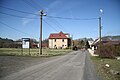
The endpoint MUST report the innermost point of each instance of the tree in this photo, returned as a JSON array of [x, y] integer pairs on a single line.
[[87, 45]]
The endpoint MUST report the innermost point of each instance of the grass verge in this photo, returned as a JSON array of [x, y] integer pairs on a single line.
[[33, 52], [107, 73]]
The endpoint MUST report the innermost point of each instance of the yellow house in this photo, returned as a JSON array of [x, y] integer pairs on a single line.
[[59, 40]]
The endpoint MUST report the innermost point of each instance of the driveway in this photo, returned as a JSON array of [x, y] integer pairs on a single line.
[[73, 66]]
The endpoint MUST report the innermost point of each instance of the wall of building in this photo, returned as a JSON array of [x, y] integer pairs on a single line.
[[59, 43]]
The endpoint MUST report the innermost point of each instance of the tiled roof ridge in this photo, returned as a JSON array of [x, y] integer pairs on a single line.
[[58, 35]]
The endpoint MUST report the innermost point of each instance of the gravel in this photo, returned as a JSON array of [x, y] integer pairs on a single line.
[[12, 64]]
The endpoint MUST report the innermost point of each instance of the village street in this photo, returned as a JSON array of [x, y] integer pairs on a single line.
[[73, 66]]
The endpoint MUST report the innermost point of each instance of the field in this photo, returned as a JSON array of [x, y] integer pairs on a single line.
[[107, 73], [32, 52]]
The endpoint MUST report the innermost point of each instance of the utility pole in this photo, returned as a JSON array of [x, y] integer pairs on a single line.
[[100, 27], [40, 41], [100, 34]]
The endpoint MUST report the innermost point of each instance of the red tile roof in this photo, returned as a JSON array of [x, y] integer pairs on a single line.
[[60, 35]]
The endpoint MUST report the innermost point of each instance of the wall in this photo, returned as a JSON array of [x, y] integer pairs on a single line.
[[58, 43]]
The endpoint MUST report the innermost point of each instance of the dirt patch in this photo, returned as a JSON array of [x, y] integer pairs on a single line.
[[12, 64]]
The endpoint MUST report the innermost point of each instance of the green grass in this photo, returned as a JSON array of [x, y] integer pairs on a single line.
[[103, 71], [33, 52]]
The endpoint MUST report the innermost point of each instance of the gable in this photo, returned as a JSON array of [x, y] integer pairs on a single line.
[[60, 35]]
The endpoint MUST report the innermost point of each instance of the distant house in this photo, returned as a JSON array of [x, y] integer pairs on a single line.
[[90, 43], [59, 40], [96, 43]]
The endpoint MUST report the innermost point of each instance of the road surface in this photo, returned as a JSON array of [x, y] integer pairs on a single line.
[[74, 66]]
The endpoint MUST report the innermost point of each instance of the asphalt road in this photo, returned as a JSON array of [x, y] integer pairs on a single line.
[[74, 66]]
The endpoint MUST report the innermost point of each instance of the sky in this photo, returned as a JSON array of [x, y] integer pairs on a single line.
[[16, 25]]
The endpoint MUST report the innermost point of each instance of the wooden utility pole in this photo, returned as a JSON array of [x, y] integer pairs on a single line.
[[40, 41], [100, 27], [100, 34]]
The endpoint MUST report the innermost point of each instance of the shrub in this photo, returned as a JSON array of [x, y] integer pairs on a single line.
[[117, 50], [75, 48], [67, 48], [106, 51]]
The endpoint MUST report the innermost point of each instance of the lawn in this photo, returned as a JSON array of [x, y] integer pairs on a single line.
[[33, 52], [107, 73]]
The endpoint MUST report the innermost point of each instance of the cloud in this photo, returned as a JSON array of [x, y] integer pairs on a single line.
[[27, 20], [56, 7], [53, 6]]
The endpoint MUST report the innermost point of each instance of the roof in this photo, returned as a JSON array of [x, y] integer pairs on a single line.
[[59, 35], [106, 42]]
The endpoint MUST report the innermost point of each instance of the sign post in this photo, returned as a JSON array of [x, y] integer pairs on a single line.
[[25, 44]]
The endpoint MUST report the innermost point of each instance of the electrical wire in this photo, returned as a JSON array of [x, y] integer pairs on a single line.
[[72, 18], [18, 10], [37, 4], [17, 16], [56, 24], [15, 29], [46, 16], [50, 25], [59, 25], [28, 3]]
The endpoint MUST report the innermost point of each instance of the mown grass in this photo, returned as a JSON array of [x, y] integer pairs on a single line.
[[105, 72], [33, 52]]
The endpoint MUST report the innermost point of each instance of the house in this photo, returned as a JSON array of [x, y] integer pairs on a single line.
[[95, 45], [59, 40], [90, 43]]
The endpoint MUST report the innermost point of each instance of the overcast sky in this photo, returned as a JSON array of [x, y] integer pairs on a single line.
[[15, 25]]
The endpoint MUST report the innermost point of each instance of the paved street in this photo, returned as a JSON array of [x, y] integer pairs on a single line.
[[74, 66]]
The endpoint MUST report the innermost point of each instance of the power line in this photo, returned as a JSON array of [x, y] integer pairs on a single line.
[[37, 3], [17, 16], [50, 25], [58, 25], [28, 3], [47, 16], [72, 18], [14, 29], [18, 10]]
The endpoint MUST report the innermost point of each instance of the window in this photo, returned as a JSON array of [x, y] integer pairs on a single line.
[[62, 46], [62, 40], [55, 46], [55, 40]]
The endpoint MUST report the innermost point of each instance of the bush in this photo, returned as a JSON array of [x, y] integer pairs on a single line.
[[117, 50], [107, 51], [75, 48]]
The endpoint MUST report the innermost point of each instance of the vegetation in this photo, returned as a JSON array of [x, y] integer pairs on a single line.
[[107, 73], [108, 51], [9, 43], [117, 50], [33, 52], [87, 45], [82, 43]]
